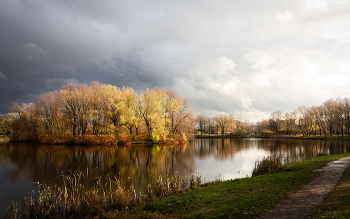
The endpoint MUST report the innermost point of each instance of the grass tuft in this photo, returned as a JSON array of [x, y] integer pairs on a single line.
[[267, 165]]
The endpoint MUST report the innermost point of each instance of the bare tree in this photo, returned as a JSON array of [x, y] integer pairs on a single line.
[[275, 121], [201, 122]]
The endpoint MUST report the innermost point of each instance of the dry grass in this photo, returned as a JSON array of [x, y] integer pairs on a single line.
[[82, 195]]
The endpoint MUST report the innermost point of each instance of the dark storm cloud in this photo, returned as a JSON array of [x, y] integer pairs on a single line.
[[47, 44], [44, 45]]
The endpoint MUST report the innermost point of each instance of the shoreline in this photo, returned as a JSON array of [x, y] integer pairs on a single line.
[[249, 197], [317, 137], [79, 142]]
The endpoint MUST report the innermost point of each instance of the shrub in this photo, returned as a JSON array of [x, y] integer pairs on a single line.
[[266, 132], [124, 139], [267, 165], [155, 138]]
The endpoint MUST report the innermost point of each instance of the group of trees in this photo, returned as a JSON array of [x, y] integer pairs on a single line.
[[77, 110], [332, 117], [5, 123], [222, 124]]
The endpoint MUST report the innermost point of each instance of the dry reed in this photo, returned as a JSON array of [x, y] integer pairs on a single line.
[[83, 195], [267, 165]]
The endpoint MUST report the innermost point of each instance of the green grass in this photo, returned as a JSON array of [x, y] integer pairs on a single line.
[[240, 198], [336, 204]]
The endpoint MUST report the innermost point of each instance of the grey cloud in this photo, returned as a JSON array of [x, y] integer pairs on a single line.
[[3, 76], [56, 82]]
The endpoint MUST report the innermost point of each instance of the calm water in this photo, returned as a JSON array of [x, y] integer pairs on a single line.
[[23, 164]]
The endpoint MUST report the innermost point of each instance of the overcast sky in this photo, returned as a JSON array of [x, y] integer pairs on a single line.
[[253, 57]]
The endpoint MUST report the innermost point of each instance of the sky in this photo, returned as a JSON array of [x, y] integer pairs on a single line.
[[245, 58]]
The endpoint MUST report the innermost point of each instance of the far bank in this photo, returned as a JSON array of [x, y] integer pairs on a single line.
[[328, 137]]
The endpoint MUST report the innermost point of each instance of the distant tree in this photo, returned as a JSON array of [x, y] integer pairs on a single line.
[[26, 126], [201, 122], [306, 121], [290, 121], [340, 116], [330, 109], [346, 108], [211, 125], [222, 121], [275, 121], [320, 119]]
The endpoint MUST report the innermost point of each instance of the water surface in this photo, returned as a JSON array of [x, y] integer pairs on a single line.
[[22, 164]]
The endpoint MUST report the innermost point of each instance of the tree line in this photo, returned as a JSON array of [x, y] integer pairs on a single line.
[[221, 124], [331, 117], [77, 110]]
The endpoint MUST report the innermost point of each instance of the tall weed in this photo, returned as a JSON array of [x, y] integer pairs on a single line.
[[267, 165], [83, 195]]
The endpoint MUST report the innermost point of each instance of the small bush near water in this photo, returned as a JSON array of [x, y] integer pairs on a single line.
[[83, 196], [267, 165]]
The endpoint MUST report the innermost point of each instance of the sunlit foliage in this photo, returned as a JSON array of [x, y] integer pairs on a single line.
[[5, 123], [77, 110]]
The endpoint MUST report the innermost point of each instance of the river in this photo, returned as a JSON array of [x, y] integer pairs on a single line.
[[22, 164]]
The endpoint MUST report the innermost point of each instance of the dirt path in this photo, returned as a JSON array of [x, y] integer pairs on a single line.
[[303, 203]]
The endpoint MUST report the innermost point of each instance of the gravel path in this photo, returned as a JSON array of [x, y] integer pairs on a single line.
[[303, 203]]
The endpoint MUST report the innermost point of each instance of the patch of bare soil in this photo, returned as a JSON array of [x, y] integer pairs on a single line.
[[303, 203]]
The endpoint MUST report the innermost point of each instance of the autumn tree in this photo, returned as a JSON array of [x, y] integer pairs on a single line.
[[153, 113], [5, 123], [26, 125], [223, 122], [178, 112]]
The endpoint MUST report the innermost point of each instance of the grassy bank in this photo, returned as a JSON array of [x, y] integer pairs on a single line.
[[240, 198]]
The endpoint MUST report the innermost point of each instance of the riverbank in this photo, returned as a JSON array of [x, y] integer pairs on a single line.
[[101, 140], [328, 137], [240, 198]]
